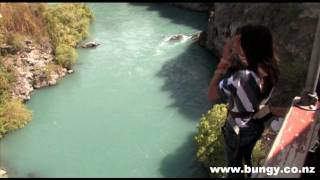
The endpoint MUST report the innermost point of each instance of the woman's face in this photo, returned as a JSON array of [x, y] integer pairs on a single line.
[[238, 49]]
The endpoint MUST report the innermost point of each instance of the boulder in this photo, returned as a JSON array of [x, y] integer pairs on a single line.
[[3, 173], [70, 71], [52, 82], [175, 38], [90, 45]]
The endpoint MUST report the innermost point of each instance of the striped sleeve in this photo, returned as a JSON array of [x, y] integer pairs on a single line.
[[243, 87], [224, 87]]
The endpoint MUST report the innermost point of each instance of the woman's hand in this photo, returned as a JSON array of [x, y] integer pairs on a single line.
[[227, 56], [227, 51], [237, 45], [226, 59], [222, 67]]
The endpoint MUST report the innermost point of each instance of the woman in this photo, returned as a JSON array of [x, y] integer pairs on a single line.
[[247, 90]]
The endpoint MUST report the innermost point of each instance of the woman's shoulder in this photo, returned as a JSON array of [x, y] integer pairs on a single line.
[[245, 75]]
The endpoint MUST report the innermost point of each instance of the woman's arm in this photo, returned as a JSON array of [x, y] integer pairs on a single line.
[[213, 87], [221, 69]]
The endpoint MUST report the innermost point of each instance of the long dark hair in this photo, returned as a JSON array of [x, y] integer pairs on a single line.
[[257, 44]]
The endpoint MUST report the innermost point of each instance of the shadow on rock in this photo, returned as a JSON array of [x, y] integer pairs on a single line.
[[182, 163], [178, 15], [187, 78]]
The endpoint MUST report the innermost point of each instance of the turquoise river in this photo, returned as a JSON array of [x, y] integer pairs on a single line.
[[131, 107]]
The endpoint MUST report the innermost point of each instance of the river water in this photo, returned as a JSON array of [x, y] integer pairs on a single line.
[[131, 107]]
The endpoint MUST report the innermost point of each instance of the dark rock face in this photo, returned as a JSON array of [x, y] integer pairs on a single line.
[[195, 6], [7, 49], [293, 26]]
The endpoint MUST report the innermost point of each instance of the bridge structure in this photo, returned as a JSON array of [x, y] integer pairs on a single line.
[[300, 131]]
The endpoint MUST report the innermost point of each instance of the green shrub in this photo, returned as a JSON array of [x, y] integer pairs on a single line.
[[4, 97], [4, 82], [209, 139], [210, 143], [50, 68], [66, 56], [6, 70], [17, 41], [13, 115], [259, 153], [67, 25], [2, 38]]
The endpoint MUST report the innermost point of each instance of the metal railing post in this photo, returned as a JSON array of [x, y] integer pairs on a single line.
[[309, 96]]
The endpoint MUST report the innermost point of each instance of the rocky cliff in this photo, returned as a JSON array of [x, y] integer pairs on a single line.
[[34, 67], [293, 27]]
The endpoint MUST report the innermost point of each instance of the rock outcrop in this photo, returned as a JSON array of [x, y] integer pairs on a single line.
[[181, 37], [33, 68]]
